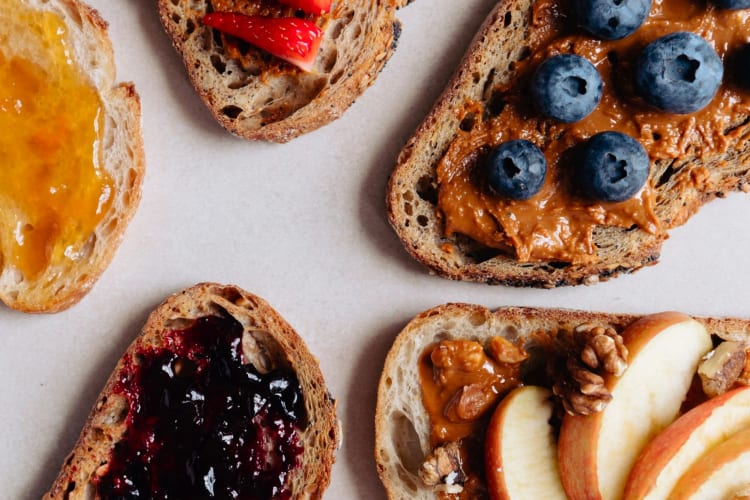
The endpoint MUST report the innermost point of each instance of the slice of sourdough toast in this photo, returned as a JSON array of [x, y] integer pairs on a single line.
[[262, 99], [402, 424], [68, 252], [267, 345], [680, 181]]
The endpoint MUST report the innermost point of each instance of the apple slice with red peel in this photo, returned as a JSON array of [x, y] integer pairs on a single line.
[[674, 450], [596, 452], [520, 451], [722, 472]]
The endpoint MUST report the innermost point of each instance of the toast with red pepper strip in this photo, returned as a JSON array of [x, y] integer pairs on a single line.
[[495, 65], [192, 409], [258, 96]]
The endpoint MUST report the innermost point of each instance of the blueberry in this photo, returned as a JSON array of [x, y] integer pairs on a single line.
[[516, 169], [612, 19], [566, 87], [679, 72], [614, 166], [733, 4]]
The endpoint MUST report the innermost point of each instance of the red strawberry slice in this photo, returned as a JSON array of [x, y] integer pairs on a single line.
[[294, 40], [316, 7]]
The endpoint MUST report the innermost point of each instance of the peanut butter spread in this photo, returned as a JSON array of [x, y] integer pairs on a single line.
[[557, 223], [461, 384]]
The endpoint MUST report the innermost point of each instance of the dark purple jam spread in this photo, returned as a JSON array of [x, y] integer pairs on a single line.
[[203, 425]]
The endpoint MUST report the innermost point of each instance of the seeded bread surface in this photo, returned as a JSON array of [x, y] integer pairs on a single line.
[[265, 105], [62, 284], [268, 343], [402, 428], [412, 189]]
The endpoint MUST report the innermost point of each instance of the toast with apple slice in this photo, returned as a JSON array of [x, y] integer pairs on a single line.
[[450, 411], [449, 216], [255, 95], [218, 397], [73, 160]]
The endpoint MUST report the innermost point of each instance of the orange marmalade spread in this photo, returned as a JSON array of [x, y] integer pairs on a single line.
[[557, 224], [53, 189]]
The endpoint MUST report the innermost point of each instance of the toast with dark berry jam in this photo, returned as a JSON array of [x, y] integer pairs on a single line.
[[568, 143], [275, 69], [218, 397]]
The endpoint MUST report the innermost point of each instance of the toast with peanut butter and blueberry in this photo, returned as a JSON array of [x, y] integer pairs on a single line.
[[218, 397], [275, 69], [523, 403], [572, 137], [72, 153]]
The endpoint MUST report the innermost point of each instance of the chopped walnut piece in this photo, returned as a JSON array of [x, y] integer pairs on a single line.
[[469, 403], [721, 368], [443, 467], [591, 351], [504, 351]]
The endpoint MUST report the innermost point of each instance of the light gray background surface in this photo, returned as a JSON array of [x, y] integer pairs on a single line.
[[302, 225]]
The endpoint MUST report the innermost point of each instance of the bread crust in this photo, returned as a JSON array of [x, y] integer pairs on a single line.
[[411, 198], [358, 40], [401, 423], [63, 284], [277, 344]]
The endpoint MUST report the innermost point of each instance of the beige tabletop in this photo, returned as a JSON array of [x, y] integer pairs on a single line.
[[302, 225]]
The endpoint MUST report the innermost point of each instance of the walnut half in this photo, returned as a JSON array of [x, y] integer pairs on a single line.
[[721, 368], [443, 467], [591, 352]]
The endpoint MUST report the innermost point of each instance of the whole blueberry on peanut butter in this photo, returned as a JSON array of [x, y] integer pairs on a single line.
[[733, 4], [612, 19], [566, 87], [516, 169], [614, 167], [679, 72]]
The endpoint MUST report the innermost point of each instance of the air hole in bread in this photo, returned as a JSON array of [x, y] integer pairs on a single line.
[[483, 254], [335, 31], [189, 26], [495, 103], [426, 189], [423, 221], [406, 442], [476, 77], [559, 265], [507, 20], [336, 77], [668, 173], [176, 18], [356, 31], [218, 63], [408, 209], [467, 124], [477, 319], [330, 61], [231, 111], [178, 324]]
